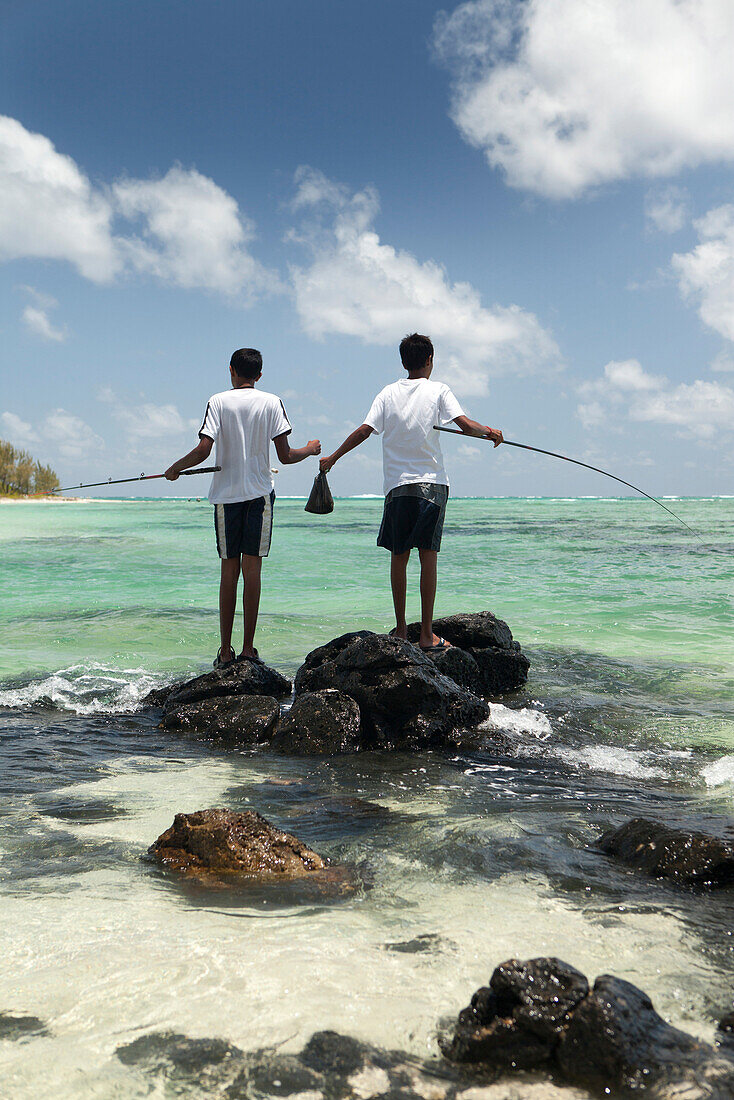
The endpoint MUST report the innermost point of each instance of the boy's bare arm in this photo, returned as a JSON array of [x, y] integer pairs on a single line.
[[288, 455], [201, 451], [364, 431], [472, 427]]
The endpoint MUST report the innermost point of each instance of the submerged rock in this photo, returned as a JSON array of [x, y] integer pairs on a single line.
[[224, 842], [21, 1027], [320, 723], [687, 857], [499, 665], [404, 701], [237, 719], [240, 678], [609, 1039], [206, 1064]]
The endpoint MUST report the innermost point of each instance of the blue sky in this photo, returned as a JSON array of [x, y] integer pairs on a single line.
[[544, 187]]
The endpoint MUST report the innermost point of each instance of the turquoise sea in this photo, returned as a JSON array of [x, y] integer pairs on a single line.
[[629, 710]]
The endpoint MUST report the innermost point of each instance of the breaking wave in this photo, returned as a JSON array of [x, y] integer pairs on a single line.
[[84, 689]]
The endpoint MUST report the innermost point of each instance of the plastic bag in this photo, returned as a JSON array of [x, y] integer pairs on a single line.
[[320, 502]]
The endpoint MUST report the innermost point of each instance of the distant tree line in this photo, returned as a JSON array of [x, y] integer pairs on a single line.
[[22, 474]]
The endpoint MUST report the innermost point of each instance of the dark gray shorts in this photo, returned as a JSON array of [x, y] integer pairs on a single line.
[[413, 517], [244, 527]]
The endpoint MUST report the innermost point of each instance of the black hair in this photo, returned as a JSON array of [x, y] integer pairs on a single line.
[[415, 351], [247, 363]]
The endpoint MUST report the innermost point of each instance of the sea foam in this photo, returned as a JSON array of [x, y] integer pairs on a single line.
[[84, 689]]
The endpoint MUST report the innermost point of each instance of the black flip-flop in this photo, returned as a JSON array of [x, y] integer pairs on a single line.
[[219, 663], [442, 646], [247, 657]]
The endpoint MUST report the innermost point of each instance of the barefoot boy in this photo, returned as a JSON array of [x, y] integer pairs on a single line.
[[416, 486], [242, 422]]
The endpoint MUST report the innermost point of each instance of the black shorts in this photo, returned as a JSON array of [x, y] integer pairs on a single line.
[[413, 517], [244, 527]]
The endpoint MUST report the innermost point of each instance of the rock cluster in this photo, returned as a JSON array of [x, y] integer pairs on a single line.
[[542, 1014], [359, 691], [687, 857]]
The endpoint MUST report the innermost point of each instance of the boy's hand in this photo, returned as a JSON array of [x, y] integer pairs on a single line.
[[326, 463], [494, 434], [172, 473], [314, 446]]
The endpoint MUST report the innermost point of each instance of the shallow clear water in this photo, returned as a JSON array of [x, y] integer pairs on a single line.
[[629, 710]]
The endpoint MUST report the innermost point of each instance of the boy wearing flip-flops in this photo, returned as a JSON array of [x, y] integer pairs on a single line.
[[242, 422], [416, 485]]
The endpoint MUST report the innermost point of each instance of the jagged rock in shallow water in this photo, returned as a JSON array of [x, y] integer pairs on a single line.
[[501, 666], [219, 841], [20, 1027], [609, 1039], [320, 723], [240, 678], [237, 719], [327, 652], [687, 857], [404, 701], [206, 1064]]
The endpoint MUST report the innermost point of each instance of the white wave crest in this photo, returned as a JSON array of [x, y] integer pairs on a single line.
[[720, 772], [613, 759], [84, 689], [519, 722]]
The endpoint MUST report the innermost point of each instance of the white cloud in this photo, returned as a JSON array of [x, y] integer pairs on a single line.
[[723, 363], [194, 234], [706, 274], [626, 392], [564, 95], [146, 421], [191, 233], [39, 323], [49, 209], [19, 432], [666, 208], [357, 286]]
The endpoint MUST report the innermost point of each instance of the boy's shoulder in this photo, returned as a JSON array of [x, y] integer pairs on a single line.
[[233, 395]]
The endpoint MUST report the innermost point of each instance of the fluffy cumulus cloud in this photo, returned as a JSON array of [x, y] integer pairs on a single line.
[[357, 286], [666, 208], [706, 274], [61, 434], [147, 421], [564, 95], [626, 392], [182, 228]]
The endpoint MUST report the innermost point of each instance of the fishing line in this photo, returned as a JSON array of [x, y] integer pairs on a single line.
[[596, 469], [142, 477]]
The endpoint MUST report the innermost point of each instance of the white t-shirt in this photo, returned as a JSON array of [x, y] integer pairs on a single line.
[[404, 413], [242, 423]]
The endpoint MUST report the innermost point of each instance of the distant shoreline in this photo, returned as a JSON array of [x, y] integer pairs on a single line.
[[364, 497]]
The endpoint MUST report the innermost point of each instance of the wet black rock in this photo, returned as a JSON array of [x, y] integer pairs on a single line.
[[21, 1027], [404, 701], [240, 678], [687, 857], [237, 719], [501, 666], [609, 1040], [518, 1019], [327, 652], [207, 1064], [320, 723]]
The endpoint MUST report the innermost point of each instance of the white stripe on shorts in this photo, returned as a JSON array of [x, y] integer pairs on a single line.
[[267, 527], [221, 530]]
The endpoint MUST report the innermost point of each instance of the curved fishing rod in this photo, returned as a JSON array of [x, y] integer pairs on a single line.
[[126, 480], [596, 469]]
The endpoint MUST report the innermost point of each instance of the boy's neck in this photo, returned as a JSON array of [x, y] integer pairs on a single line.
[[245, 384], [424, 372]]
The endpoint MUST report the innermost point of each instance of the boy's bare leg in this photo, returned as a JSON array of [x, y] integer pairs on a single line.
[[251, 570], [429, 572], [399, 585], [227, 603]]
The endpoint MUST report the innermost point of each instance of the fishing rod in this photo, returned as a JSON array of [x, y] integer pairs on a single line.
[[596, 469], [143, 477]]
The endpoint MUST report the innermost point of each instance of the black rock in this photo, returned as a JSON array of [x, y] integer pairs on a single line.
[[201, 1063], [329, 1052], [240, 678], [404, 701], [459, 666], [616, 1039], [324, 653], [320, 723], [20, 1027], [499, 665], [236, 719], [686, 857]]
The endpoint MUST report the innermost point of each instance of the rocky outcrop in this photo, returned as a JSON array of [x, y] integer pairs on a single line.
[[501, 666], [404, 701], [221, 842], [240, 720], [240, 678], [687, 857], [13, 1026], [541, 1013], [320, 723]]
